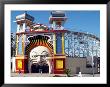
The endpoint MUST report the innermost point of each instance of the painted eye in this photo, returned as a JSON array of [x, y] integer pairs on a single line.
[[42, 56], [36, 55]]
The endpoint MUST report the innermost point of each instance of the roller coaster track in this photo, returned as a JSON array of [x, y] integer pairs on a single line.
[[81, 44]]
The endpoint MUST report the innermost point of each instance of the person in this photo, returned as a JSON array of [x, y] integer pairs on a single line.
[[19, 71], [79, 75]]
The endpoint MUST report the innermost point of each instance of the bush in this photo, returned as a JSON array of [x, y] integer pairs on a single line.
[[67, 72]]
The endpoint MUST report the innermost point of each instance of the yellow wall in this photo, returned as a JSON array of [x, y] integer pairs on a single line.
[[59, 64], [19, 64]]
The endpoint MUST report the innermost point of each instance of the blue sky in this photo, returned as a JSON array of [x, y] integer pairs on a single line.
[[83, 21]]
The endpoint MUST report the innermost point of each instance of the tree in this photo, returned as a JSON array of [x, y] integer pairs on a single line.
[[13, 47]]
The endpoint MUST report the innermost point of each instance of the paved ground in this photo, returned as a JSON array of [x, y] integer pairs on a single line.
[[50, 75]]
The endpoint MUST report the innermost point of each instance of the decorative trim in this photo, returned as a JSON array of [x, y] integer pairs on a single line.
[[54, 37], [63, 52]]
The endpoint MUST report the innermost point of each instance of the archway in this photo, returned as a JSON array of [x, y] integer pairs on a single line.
[[38, 50], [38, 60], [36, 68]]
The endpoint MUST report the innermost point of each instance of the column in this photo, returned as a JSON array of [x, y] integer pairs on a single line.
[[23, 44], [24, 27], [16, 44], [63, 50], [54, 25], [18, 28], [54, 43]]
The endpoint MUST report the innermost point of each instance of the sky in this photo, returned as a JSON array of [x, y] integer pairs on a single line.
[[82, 21]]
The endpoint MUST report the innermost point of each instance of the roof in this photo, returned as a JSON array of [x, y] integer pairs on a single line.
[[25, 16]]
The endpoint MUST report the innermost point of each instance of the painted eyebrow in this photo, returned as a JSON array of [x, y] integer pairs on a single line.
[[45, 52]]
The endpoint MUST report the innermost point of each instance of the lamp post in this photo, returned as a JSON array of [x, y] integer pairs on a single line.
[[92, 65], [92, 59]]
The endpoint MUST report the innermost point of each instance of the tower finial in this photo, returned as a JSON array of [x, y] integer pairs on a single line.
[[25, 12]]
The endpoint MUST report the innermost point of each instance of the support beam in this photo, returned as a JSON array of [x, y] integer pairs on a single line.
[[63, 51], [16, 44], [54, 43]]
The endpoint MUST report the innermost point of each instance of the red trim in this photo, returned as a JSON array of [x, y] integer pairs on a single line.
[[17, 64], [56, 31], [21, 55], [63, 63], [38, 44], [23, 64], [58, 18], [59, 71], [45, 31], [23, 69]]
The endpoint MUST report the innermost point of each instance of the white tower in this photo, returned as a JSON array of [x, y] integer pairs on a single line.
[[57, 19], [24, 22]]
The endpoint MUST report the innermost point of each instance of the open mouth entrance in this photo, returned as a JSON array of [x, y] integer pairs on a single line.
[[38, 60], [37, 68]]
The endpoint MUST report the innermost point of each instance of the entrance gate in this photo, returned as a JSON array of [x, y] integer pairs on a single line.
[[36, 68]]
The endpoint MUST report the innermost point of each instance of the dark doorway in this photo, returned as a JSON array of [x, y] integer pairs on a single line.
[[35, 68], [77, 70], [45, 68]]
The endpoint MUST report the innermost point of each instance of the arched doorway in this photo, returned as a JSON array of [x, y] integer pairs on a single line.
[[36, 68], [38, 60]]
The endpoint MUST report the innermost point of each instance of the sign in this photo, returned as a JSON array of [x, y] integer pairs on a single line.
[[19, 63], [59, 64]]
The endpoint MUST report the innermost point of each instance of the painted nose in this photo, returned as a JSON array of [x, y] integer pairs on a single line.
[[38, 58]]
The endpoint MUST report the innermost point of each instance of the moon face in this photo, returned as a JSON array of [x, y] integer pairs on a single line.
[[39, 54]]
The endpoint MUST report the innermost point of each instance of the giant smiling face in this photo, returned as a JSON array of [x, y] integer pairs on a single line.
[[39, 53]]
